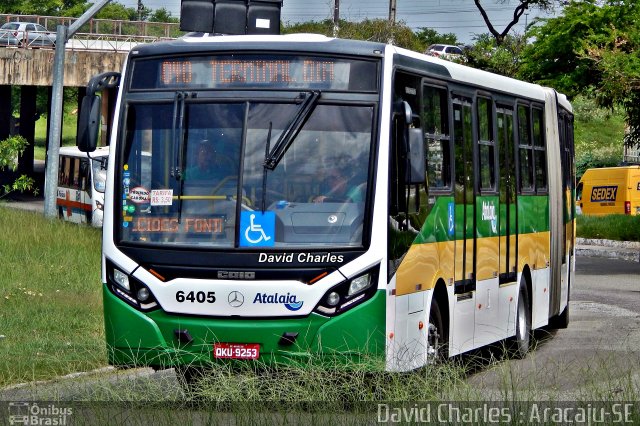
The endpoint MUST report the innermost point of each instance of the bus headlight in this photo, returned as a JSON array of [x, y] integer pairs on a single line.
[[349, 293], [359, 283], [333, 299], [121, 279], [130, 289], [99, 205], [143, 294]]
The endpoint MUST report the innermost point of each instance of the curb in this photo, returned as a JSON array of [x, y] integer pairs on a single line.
[[623, 250], [97, 371]]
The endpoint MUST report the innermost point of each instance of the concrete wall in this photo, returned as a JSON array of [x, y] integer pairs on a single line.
[[34, 67]]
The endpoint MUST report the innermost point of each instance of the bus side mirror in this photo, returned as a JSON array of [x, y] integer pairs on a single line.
[[89, 123], [403, 109], [416, 170]]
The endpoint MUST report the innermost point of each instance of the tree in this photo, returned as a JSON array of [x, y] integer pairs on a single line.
[[117, 11], [429, 36], [162, 15], [488, 55], [10, 149], [521, 8], [592, 48], [380, 30]]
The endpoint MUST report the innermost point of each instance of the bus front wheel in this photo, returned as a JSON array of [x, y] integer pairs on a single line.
[[435, 339]]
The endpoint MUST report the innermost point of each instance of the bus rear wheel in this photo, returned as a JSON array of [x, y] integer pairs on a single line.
[[522, 341]]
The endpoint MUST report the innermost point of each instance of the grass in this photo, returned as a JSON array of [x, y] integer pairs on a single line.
[[50, 298], [68, 133], [51, 323], [611, 227]]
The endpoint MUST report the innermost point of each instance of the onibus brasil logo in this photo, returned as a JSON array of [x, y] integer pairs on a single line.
[[289, 300], [33, 413]]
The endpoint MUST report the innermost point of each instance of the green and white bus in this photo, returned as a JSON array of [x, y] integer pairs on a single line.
[[457, 230]]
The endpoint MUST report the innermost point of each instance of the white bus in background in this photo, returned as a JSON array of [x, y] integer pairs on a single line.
[[81, 185]]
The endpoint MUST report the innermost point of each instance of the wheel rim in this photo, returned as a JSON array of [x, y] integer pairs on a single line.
[[433, 341], [522, 319]]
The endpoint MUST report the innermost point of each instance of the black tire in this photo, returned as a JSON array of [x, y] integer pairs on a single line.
[[522, 342], [436, 337]]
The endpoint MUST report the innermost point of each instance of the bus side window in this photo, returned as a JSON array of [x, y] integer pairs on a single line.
[[579, 192], [525, 148], [486, 144], [435, 119], [85, 175], [61, 171], [75, 178], [67, 171], [540, 158]]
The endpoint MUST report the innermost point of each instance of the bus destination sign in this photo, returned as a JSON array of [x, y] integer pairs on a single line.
[[253, 71]]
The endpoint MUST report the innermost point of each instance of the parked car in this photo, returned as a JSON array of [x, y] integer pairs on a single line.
[[8, 39], [445, 51], [26, 34]]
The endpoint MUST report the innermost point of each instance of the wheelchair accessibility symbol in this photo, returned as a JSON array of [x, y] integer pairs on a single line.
[[257, 229], [451, 219]]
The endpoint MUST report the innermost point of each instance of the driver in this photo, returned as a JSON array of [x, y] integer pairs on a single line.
[[209, 165]]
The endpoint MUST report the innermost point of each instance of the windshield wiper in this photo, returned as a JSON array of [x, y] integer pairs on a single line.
[[178, 143], [264, 171], [286, 138], [178, 134]]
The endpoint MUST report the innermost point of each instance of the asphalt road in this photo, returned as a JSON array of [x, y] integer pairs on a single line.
[[597, 357]]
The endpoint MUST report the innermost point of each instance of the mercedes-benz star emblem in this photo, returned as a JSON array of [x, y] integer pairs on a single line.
[[235, 299], [332, 219]]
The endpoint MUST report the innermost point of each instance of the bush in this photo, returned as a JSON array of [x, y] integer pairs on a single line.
[[612, 227]]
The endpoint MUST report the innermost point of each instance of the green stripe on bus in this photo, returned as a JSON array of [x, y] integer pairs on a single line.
[[532, 212]]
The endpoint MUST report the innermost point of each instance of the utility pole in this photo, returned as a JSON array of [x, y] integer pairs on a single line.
[[336, 17], [63, 34], [392, 11]]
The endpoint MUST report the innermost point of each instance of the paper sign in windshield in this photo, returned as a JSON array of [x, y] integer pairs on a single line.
[[161, 197]]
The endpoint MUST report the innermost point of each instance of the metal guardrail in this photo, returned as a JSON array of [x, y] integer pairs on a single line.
[[102, 26], [109, 42], [98, 34]]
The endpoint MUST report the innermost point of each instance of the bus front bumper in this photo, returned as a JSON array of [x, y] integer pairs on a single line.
[[136, 338]]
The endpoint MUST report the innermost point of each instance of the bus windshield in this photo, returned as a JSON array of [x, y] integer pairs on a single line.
[[193, 174]]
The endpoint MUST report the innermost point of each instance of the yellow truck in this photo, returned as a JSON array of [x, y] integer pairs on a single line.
[[609, 190]]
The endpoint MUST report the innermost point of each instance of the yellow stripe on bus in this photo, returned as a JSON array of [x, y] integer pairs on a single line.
[[426, 263]]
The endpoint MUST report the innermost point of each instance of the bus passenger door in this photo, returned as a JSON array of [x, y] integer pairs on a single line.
[[507, 272], [465, 285], [487, 314]]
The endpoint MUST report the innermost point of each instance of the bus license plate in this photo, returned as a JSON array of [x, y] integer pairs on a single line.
[[236, 350]]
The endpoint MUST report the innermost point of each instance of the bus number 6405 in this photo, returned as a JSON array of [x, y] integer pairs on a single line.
[[196, 297]]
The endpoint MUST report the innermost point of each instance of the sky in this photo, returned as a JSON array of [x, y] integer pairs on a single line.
[[460, 17]]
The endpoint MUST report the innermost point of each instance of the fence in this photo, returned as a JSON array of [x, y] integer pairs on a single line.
[[103, 26]]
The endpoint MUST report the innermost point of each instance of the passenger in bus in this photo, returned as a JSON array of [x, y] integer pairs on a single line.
[[342, 185]]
